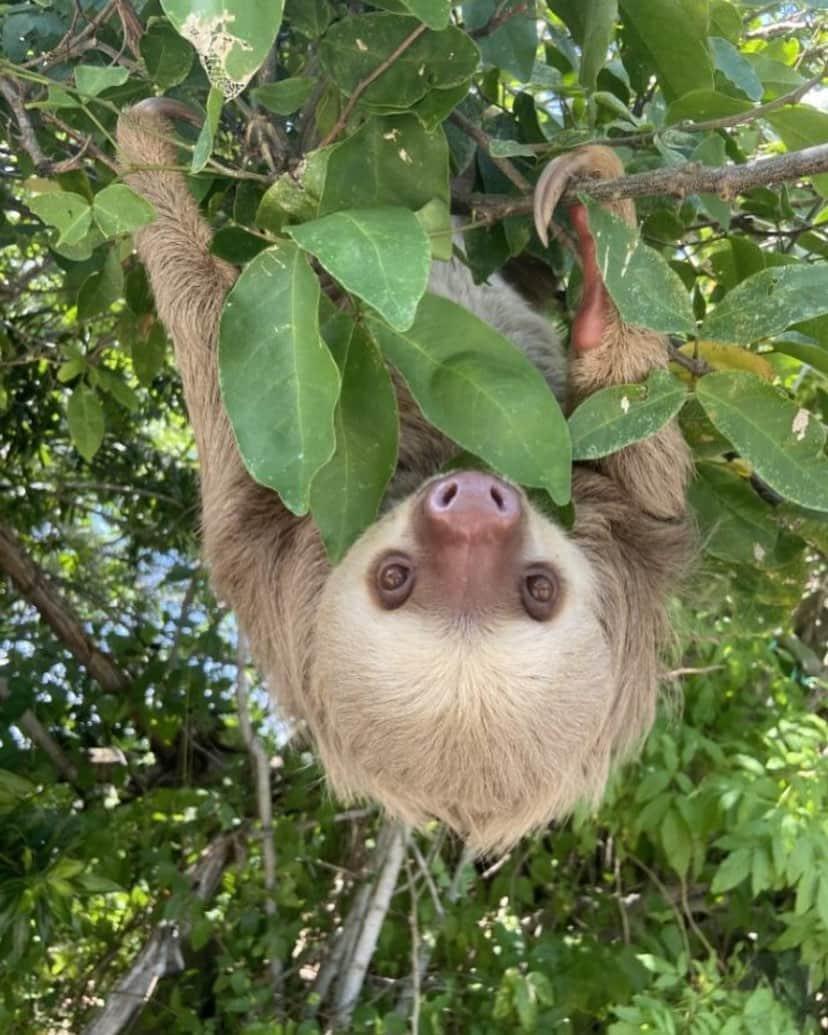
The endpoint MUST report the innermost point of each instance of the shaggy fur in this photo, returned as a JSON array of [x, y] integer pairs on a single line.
[[496, 724]]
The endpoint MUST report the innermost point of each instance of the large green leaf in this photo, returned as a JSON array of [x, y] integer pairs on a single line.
[[698, 105], [514, 43], [675, 34], [615, 417], [167, 56], [382, 255], [86, 421], [736, 525], [278, 380], [599, 17], [736, 67], [355, 47], [644, 288], [390, 161], [476, 387], [768, 302], [784, 443], [119, 210], [284, 96], [232, 37], [347, 492], [70, 213], [807, 352]]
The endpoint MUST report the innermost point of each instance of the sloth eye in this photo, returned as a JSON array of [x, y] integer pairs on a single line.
[[394, 581], [540, 590]]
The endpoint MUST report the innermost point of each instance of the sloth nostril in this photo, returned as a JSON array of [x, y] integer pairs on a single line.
[[448, 494], [497, 496]]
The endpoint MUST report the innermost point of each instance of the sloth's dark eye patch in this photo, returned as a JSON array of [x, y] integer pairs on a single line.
[[394, 581]]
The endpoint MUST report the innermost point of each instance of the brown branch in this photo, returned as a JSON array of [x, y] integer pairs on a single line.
[[40, 736], [34, 586], [28, 137], [84, 139], [161, 955], [672, 181], [726, 121], [484, 143], [70, 46], [362, 86]]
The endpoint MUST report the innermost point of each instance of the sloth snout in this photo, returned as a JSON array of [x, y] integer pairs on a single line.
[[470, 507]]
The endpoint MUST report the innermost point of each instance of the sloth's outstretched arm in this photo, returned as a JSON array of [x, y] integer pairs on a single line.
[[243, 523], [631, 514]]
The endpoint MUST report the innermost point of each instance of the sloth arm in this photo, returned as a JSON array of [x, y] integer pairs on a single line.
[[631, 513], [244, 524]]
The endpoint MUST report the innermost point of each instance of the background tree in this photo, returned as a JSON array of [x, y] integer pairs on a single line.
[[146, 881]]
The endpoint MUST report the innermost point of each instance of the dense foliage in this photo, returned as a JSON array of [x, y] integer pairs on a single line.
[[336, 139]]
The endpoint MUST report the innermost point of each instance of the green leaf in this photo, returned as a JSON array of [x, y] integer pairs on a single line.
[[115, 386], [732, 871], [698, 105], [435, 13], [675, 34], [347, 492], [278, 380], [644, 288], [615, 417], [736, 67], [676, 841], [435, 219], [736, 524], [102, 288], [513, 45], [119, 210], [86, 421], [91, 80], [356, 46], [476, 387], [70, 213], [784, 443], [206, 138], [801, 126], [148, 356], [390, 161], [768, 302], [599, 17], [381, 255], [285, 96], [815, 356], [167, 56], [232, 37]]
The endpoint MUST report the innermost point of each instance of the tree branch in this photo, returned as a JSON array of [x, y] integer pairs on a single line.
[[40, 736], [28, 137], [264, 797], [672, 181], [351, 980], [161, 955], [34, 586], [509, 170]]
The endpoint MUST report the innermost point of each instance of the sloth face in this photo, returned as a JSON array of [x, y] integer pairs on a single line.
[[460, 670]]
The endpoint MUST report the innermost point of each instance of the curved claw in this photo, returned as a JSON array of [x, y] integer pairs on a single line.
[[592, 160]]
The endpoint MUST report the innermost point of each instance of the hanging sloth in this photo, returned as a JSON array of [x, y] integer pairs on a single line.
[[468, 659]]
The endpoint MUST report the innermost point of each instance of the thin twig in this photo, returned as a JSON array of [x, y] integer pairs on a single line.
[[28, 137], [509, 170], [40, 736], [362, 86]]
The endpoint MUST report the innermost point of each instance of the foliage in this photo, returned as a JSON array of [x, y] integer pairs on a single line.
[[697, 900]]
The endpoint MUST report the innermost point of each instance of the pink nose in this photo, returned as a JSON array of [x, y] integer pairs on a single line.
[[471, 507]]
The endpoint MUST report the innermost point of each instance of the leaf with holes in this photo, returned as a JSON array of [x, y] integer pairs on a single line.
[[615, 417], [784, 443], [644, 288], [278, 380], [382, 255], [481, 391]]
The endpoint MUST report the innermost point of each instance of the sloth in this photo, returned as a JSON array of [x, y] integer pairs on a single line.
[[468, 660]]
